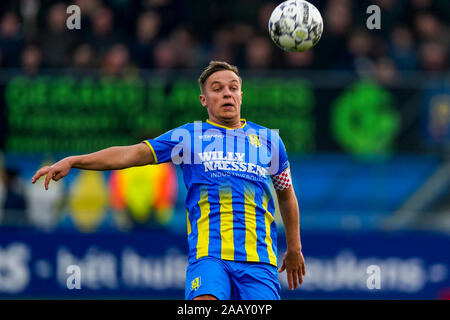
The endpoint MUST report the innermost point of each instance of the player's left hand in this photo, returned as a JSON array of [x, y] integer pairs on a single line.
[[294, 264]]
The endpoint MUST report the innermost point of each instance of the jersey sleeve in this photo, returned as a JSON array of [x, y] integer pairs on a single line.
[[280, 172], [169, 146]]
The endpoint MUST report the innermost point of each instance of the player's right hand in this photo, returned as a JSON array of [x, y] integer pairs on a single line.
[[57, 171]]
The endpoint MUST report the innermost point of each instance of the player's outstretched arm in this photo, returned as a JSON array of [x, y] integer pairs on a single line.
[[293, 261], [113, 158]]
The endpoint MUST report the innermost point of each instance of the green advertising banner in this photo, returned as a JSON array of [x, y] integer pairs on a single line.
[[62, 114], [77, 114], [364, 119]]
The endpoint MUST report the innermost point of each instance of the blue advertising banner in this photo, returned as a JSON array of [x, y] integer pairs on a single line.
[[152, 265]]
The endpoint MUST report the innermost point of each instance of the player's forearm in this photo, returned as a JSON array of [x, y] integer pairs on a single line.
[[113, 158], [290, 214]]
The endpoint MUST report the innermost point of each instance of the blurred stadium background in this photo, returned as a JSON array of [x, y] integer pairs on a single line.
[[364, 115]]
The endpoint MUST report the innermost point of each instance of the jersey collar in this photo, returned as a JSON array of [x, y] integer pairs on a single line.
[[243, 124]]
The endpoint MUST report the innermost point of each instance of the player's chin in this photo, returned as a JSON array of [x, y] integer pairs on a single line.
[[228, 113]]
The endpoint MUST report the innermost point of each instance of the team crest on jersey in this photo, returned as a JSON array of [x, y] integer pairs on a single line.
[[196, 283], [254, 140]]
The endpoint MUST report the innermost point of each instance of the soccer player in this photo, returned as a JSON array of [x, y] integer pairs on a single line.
[[228, 164]]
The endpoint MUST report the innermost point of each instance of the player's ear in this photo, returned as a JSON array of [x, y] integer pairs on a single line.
[[203, 100]]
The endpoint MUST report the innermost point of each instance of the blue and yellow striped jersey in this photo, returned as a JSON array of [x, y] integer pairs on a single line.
[[227, 173]]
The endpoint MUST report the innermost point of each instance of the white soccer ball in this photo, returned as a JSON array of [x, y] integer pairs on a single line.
[[295, 25]]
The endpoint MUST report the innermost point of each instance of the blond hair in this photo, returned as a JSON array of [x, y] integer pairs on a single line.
[[213, 67]]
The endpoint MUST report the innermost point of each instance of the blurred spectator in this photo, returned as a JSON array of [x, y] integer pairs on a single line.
[[433, 57], [421, 4], [259, 53], [301, 60], [14, 204], [401, 48], [429, 27], [117, 60], [29, 10], [172, 11], [57, 42], [222, 46], [103, 35], [165, 56], [147, 32], [88, 7], [337, 23], [31, 59], [357, 56], [84, 57], [390, 13], [11, 39], [359, 43], [264, 15], [385, 71], [242, 35], [182, 40]]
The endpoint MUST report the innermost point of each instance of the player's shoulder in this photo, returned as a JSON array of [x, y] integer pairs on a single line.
[[252, 125], [258, 127], [187, 126]]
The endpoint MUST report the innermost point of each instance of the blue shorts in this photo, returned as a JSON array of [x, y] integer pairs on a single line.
[[232, 280]]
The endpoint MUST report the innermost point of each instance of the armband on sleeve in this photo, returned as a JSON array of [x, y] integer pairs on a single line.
[[283, 180]]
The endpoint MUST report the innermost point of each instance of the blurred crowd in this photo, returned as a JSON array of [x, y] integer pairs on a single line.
[[118, 36]]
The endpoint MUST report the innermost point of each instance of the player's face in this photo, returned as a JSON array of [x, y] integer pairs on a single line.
[[222, 97]]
